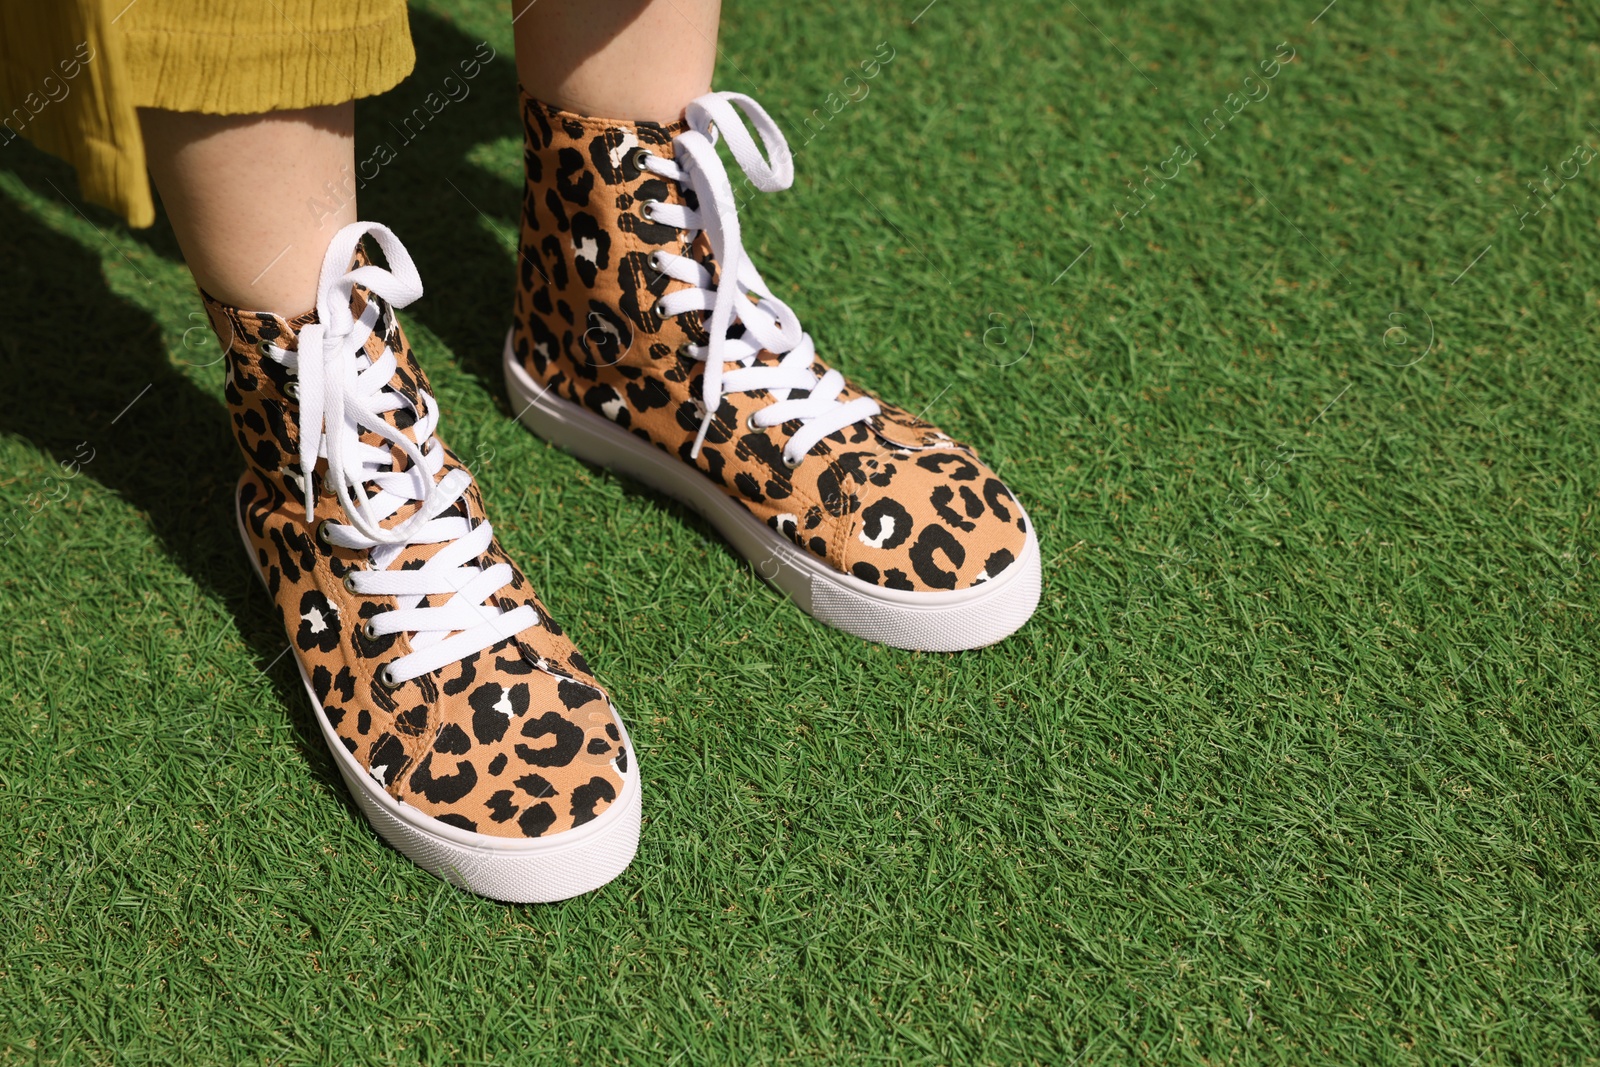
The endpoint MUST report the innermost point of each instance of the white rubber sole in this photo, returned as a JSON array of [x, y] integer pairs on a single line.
[[945, 621], [521, 871]]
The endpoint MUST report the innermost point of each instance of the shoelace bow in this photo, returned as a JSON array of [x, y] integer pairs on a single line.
[[341, 392], [768, 323]]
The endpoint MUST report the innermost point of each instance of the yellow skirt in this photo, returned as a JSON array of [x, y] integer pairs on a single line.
[[73, 72]]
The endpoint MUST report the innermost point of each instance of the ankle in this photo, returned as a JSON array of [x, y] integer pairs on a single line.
[[625, 105]]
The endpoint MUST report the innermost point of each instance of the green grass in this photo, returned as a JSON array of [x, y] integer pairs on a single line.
[[1296, 763]]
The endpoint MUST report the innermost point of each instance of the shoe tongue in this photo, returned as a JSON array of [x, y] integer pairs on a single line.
[[407, 382]]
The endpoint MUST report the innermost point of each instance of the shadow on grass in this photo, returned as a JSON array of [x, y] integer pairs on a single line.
[[83, 365], [439, 201]]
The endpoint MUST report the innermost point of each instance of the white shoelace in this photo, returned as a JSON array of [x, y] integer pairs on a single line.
[[768, 322], [342, 392]]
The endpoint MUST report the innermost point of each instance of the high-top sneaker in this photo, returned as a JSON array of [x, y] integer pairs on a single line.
[[645, 340], [463, 720]]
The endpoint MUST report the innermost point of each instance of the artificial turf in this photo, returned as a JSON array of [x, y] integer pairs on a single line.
[[1295, 764]]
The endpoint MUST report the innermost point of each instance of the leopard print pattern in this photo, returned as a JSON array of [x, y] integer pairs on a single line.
[[892, 501], [516, 741]]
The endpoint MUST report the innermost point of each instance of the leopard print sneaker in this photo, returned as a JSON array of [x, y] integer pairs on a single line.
[[463, 720], [645, 340]]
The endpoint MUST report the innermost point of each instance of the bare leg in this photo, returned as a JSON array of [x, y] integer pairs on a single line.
[[248, 198], [620, 59]]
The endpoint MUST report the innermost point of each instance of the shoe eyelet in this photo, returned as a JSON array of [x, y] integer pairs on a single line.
[[640, 158], [292, 390], [750, 423], [264, 347], [659, 310], [350, 583], [368, 632], [683, 350], [656, 263], [647, 208], [792, 463], [322, 532], [386, 679]]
